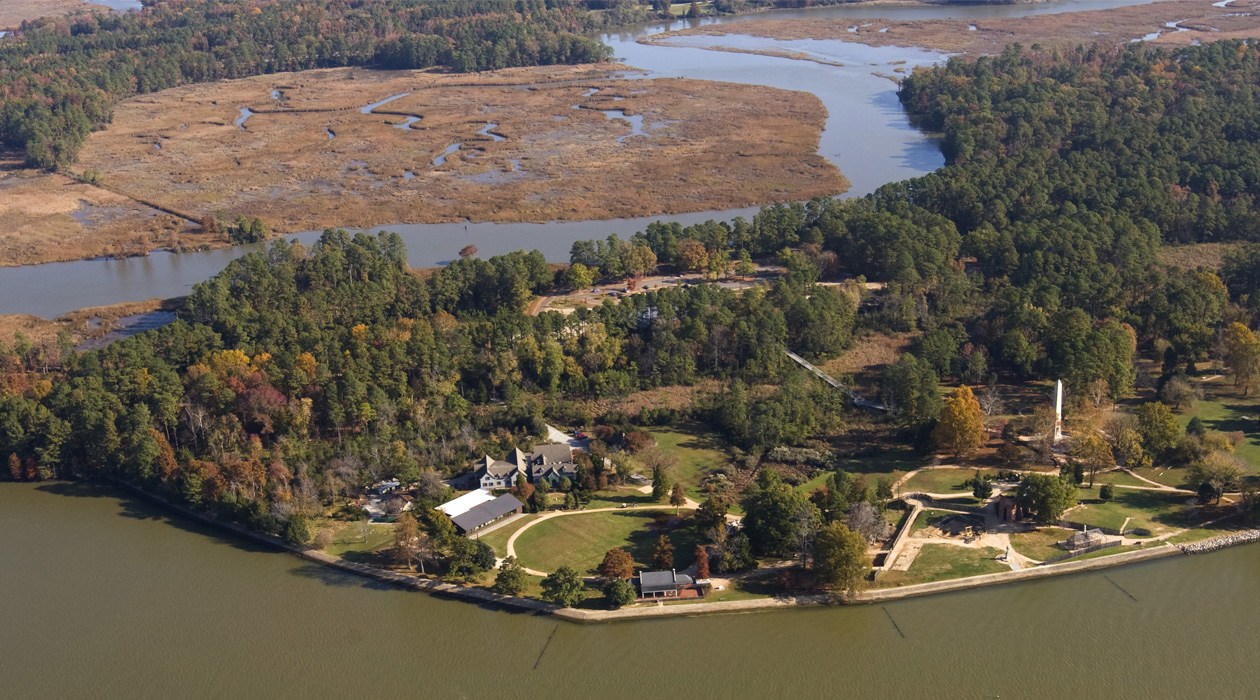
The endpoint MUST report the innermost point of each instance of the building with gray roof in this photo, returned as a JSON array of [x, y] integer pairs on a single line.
[[480, 516]]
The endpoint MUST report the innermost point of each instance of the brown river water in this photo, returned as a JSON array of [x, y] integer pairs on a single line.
[[103, 595]]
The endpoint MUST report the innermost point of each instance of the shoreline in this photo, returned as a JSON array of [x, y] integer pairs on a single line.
[[578, 615]]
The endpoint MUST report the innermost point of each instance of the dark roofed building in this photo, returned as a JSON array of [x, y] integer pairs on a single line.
[[662, 584], [480, 516], [550, 462]]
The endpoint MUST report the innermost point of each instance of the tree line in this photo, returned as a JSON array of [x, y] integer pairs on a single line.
[[60, 77]]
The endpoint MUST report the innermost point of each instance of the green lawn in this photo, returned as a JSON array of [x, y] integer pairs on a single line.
[[613, 497], [946, 480], [348, 545], [890, 462], [940, 562], [1118, 478], [1224, 410], [498, 538], [582, 540], [1156, 511], [695, 448], [1040, 544], [929, 517]]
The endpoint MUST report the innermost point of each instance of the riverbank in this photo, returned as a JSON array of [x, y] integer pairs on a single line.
[[83, 325], [679, 609], [357, 148], [1167, 22]]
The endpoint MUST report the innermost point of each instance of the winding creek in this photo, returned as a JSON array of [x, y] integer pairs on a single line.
[[108, 596], [867, 135]]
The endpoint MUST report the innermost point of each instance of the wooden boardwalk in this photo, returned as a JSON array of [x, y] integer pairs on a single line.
[[858, 400]]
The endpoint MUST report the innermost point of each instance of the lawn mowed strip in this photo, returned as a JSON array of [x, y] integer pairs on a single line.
[[1226, 411], [1040, 544], [941, 562], [1158, 511], [581, 540], [945, 480]]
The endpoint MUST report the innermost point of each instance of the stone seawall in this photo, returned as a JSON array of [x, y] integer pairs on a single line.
[[483, 596], [1246, 537]]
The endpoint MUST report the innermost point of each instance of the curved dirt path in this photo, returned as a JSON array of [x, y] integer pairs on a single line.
[[511, 543]]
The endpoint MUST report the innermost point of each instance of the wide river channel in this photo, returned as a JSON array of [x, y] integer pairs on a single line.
[[103, 595], [867, 135], [106, 596]]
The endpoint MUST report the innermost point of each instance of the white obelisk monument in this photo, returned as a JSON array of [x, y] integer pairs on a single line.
[[1058, 410]]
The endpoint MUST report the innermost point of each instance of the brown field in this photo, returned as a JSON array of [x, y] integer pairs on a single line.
[[704, 145], [14, 12], [1193, 255], [1199, 18], [46, 217], [84, 324]]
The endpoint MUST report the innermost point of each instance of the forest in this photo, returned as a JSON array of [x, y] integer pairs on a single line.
[[299, 375], [60, 77]]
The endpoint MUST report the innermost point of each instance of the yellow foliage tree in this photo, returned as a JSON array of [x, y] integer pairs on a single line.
[[1242, 355], [961, 426], [307, 364]]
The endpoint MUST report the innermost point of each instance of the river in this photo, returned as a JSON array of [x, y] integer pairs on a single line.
[[104, 595], [867, 135]]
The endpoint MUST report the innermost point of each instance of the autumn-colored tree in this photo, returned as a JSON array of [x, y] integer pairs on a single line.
[[702, 562], [406, 540], [1095, 453], [617, 564], [166, 462], [961, 426], [692, 255], [307, 365], [678, 497], [663, 554], [15, 467], [1242, 355]]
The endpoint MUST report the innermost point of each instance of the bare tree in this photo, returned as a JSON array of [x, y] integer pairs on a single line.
[[864, 519], [805, 521], [717, 536], [991, 402], [430, 485]]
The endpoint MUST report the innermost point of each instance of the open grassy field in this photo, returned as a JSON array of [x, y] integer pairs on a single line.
[[1223, 409], [348, 545], [940, 562], [520, 144], [582, 540], [947, 480], [1156, 511], [1040, 544], [891, 463], [927, 518], [695, 448]]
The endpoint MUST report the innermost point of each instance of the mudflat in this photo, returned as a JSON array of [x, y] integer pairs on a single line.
[[532, 144], [14, 12], [1172, 22]]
